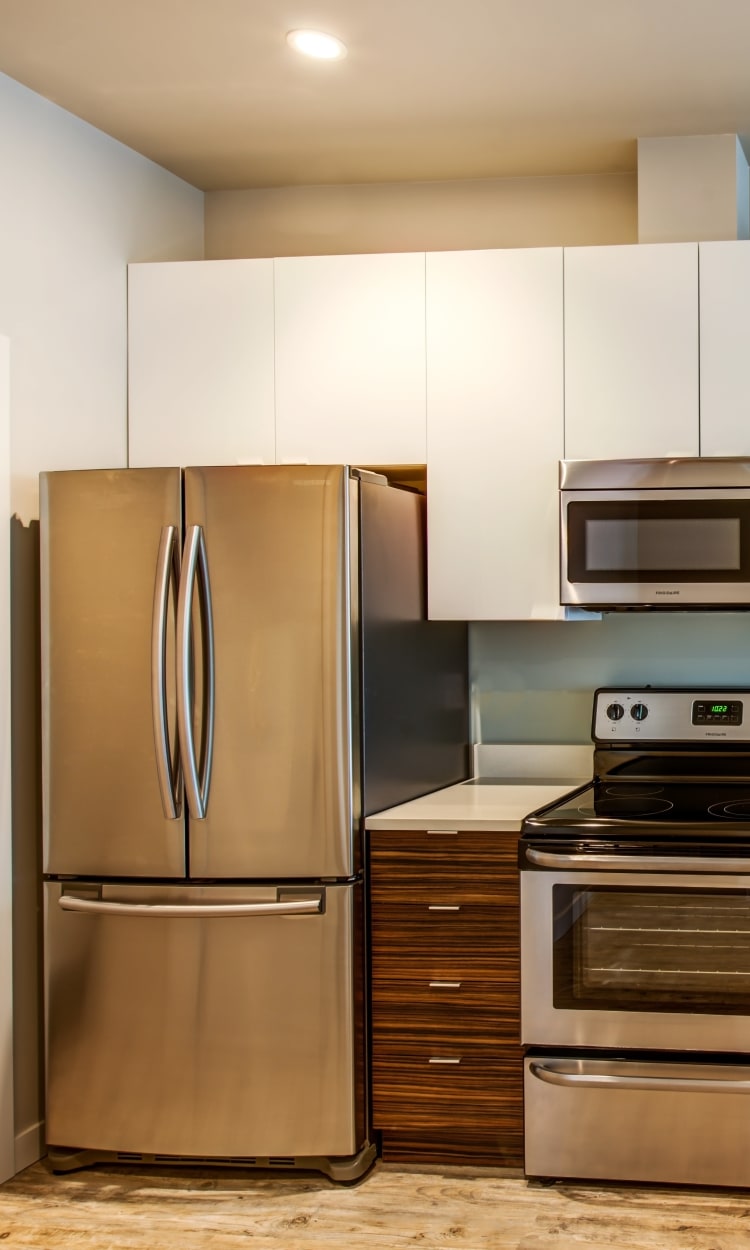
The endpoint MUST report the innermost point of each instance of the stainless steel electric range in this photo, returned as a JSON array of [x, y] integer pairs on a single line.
[[635, 948]]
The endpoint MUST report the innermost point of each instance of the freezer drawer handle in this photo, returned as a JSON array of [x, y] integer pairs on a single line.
[[167, 764], [196, 911], [195, 566], [592, 1080], [644, 863]]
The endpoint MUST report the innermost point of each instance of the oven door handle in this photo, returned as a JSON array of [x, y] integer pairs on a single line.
[[644, 863], [598, 1080]]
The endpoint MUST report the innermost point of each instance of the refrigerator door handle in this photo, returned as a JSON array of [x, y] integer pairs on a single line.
[[168, 766], [195, 568], [193, 911]]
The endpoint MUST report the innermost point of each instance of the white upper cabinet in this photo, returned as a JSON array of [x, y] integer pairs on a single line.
[[631, 351], [495, 433], [725, 348], [200, 363], [350, 344]]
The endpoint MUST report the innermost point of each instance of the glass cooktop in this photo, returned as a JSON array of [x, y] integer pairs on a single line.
[[612, 804]]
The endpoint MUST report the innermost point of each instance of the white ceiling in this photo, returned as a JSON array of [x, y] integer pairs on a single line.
[[431, 89]]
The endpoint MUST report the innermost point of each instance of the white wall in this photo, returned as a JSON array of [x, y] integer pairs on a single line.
[[76, 207], [422, 216]]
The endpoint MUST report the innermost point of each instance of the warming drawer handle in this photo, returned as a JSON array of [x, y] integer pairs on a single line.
[[601, 1080], [195, 567], [167, 767], [188, 911], [644, 863]]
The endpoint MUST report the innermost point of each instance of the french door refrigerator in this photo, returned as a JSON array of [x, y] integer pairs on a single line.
[[236, 668]]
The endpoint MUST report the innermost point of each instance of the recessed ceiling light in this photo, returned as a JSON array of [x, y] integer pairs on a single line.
[[315, 43]]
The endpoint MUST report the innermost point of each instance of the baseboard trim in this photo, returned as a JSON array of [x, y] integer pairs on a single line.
[[29, 1146]]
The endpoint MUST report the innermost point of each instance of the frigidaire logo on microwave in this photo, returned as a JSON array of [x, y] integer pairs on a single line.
[[667, 592]]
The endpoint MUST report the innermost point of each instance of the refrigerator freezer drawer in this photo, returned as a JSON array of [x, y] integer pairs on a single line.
[[677, 1122], [205, 1021]]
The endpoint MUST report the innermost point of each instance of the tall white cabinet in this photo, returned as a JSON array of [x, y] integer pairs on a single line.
[[201, 363], [631, 351], [495, 432], [725, 348]]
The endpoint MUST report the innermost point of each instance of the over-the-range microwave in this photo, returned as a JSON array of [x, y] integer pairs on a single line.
[[655, 534]]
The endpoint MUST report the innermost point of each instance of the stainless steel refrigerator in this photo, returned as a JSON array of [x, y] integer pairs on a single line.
[[236, 669]]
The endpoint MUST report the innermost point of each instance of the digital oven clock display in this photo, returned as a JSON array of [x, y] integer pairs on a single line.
[[707, 713]]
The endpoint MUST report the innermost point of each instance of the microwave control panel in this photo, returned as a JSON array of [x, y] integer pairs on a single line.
[[650, 714]]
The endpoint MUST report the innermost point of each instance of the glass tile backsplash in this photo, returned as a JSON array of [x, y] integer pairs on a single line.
[[532, 681]]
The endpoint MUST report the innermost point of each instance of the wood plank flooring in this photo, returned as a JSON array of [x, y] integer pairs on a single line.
[[115, 1208]]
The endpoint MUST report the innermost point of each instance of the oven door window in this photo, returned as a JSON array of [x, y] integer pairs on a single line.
[[651, 949], [659, 541]]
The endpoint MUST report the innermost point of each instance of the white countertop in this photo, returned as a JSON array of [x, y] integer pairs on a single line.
[[496, 803]]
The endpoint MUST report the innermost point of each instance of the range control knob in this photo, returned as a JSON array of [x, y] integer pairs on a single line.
[[639, 711], [615, 711]]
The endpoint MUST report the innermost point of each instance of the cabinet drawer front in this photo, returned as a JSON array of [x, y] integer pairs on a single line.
[[418, 933], [451, 1086], [484, 1020], [472, 866], [444, 1008]]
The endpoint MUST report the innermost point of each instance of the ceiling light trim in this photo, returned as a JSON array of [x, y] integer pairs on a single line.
[[317, 44]]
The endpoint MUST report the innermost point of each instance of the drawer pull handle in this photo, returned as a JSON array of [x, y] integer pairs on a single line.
[[436, 1060], [443, 907], [442, 833], [444, 985]]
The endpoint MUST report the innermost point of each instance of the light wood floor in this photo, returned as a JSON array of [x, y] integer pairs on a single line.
[[114, 1208]]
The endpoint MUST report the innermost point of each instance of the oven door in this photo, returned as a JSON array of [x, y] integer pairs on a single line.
[[649, 952], [655, 548]]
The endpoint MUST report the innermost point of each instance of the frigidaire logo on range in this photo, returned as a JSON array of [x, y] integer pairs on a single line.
[[712, 734], [667, 592]]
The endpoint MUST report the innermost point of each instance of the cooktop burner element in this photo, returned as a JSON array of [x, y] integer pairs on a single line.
[[666, 760], [631, 808], [738, 809]]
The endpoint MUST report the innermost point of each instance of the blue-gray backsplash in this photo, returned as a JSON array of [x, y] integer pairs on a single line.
[[532, 681]]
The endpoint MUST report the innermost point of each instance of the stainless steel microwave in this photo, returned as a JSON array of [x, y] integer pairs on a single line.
[[655, 534]]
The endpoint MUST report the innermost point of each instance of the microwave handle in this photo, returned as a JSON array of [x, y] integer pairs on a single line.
[[643, 863]]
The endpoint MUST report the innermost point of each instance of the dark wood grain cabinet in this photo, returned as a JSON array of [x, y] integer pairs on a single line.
[[446, 1056]]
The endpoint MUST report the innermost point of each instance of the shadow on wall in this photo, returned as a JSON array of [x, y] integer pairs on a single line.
[[533, 681], [28, 1047]]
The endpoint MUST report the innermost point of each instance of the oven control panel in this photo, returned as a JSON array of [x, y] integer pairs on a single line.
[[651, 714]]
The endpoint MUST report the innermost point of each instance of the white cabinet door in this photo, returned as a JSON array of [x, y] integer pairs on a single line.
[[350, 383], [725, 348], [495, 433], [631, 351], [200, 363]]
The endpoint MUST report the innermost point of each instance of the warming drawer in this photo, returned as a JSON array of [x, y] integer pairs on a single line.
[[675, 1122]]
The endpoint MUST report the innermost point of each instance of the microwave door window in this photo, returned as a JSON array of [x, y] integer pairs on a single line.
[[658, 541], [653, 545]]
